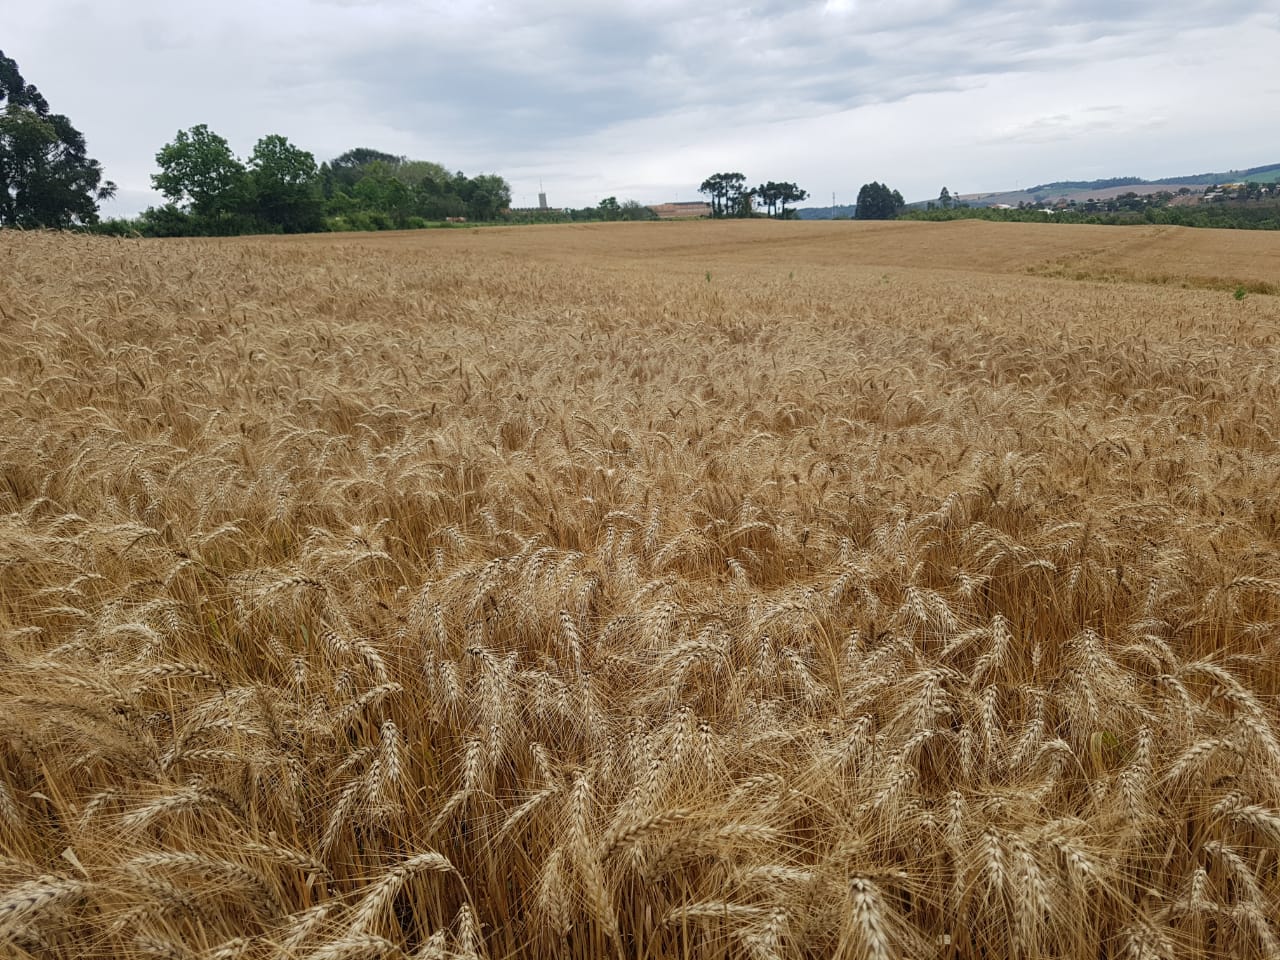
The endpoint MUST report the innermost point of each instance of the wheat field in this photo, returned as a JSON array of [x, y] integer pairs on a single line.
[[682, 590]]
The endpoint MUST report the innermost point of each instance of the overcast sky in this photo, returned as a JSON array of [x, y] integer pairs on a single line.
[[642, 99]]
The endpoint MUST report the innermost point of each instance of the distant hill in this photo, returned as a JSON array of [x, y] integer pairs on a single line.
[[1266, 174], [843, 211], [1089, 184], [1079, 190]]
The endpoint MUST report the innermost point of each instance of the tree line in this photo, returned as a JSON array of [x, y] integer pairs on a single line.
[[281, 189], [730, 196], [48, 180]]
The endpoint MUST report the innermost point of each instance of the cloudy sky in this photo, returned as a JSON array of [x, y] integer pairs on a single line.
[[642, 99]]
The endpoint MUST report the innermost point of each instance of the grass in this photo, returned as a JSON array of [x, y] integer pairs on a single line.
[[519, 593]]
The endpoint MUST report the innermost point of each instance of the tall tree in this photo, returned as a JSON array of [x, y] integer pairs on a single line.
[[729, 194], [877, 202], [348, 168], [199, 173], [414, 172], [789, 193], [944, 199], [46, 180], [776, 195], [767, 194], [714, 190], [489, 195], [737, 195], [286, 188]]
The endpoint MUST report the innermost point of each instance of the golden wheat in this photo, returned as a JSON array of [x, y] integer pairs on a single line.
[[752, 590]]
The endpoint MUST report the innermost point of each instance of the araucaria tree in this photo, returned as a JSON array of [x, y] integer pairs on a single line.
[[728, 194], [731, 197], [46, 180], [775, 196], [877, 202]]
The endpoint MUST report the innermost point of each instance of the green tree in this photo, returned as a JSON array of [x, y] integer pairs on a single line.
[[610, 209], [435, 199], [380, 193], [414, 172], [767, 194], [714, 190], [728, 194], [634, 210], [944, 199], [789, 193], [775, 196], [46, 180], [286, 188], [877, 202], [488, 195], [200, 175], [348, 168]]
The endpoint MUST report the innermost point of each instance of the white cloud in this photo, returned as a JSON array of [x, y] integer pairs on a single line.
[[644, 99]]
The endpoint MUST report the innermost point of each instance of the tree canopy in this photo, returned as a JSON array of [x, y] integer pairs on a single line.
[[728, 194], [202, 177], [285, 185], [731, 197], [877, 202], [46, 178], [281, 189], [775, 196]]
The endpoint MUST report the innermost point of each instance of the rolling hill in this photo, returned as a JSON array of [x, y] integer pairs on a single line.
[[1083, 189]]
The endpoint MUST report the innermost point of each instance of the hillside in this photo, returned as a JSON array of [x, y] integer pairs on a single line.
[[1080, 190]]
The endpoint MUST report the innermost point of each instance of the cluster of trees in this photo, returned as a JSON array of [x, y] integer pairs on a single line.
[[46, 178], [281, 189], [607, 209], [731, 197], [877, 202], [610, 209]]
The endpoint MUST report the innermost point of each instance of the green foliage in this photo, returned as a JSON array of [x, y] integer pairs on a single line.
[[281, 190], [776, 195], [877, 202], [1104, 184], [1233, 215], [348, 168], [46, 180], [728, 194], [1240, 293], [286, 188], [413, 173], [202, 177], [634, 210], [487, 196], [167, 221]]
